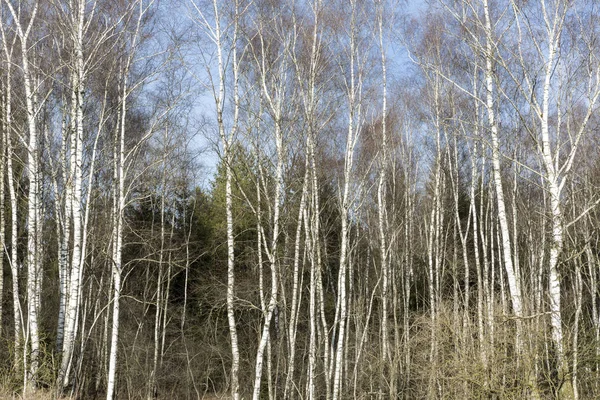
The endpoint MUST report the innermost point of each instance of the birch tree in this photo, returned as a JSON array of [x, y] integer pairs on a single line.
[[307, 72], [8, 49], [122, 159], [353, 86], [557, 150], [33, 271], [224, 36], [272, 77], [74, 198]]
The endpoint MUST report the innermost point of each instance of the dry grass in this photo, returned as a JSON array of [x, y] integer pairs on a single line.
[[37, 395], [216, 396]]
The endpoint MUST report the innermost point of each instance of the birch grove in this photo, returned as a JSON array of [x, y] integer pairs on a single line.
[[299, 199]]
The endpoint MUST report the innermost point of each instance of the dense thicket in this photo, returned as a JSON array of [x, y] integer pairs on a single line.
[[404, 202]]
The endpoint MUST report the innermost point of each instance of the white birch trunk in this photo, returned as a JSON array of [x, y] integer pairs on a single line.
[[152, 388], [381, 197], [275, 104], [296, 286], [13, 257], [32, 206], [593, 274], [76, 160], [351, 138], [316, 273], [578, 308], [478, 264], [117, 236], [433, 243], [64, 235], [227, 142], [311, 220], [3, 134], [272, 253], [231, 281], [514, 283], [8, 153]]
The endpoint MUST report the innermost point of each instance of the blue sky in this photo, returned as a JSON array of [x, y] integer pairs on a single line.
[[203, 108]]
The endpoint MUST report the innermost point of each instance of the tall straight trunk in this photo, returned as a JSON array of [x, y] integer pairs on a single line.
[[311, 213], [119, 195], [578, 292], [187, 264], [557, 153], [351, 138], [473, 209], [39, 223], [381, 199], [13, 257], [453, 160], [272, 255], [104, 348], [296, 284], [117, 235], [3, 134], [114, 336], [32, 256], [76, 155], [433, 233], [361, 337], [503, 301], [593, 288], [538, 275], [486, 233], [219, 37], [275, 104], [514, 283], [552, 181], [407, 280], [84, 231], [478, 264], [165, 315], [231, 281], [7, 151], [312, 311], [33, 272], [317, 274], [64, 236], [152, 388], [351, 307], [554, 190], [227, 142]]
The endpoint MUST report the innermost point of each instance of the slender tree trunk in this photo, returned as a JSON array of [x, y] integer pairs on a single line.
[[76, 152], [593, 273], [7, 150], [152, 393], [117, 236], [3, 153], [381, 198], [514, 283], [296, 286], [63, 239], [578, 292], [275, 104], [14, 236], [227, 142], [33, 272], [351, 139]]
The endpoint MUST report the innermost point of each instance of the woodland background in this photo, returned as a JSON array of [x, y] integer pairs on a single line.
[[404, 203]]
